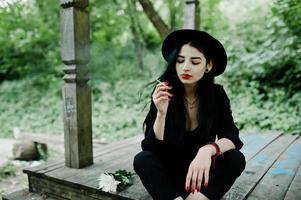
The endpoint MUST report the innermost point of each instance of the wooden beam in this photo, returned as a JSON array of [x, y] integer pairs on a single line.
[[192, 14], [76, 90]]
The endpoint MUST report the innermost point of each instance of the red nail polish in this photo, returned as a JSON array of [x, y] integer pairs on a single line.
[[206, 185], [187, 189]]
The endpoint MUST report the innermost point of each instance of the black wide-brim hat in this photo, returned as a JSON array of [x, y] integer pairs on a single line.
[[180, 37]]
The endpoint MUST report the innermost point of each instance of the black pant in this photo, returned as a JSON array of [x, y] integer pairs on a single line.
[[166, 181]]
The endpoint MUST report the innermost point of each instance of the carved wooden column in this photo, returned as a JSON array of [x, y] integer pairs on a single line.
[[192, 14], [76, 91]]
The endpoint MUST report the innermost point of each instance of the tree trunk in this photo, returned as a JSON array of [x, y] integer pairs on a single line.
[[172, 14], [192, 14], [154, 17], [132, 12]]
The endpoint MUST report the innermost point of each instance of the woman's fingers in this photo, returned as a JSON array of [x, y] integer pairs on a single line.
[[194, 180], [188, 180], [160, 94], [161, 87], [162, 98], [206, 177], [199, 180]]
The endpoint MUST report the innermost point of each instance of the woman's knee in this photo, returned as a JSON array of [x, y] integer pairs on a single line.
[[236, 160], [143, 160]]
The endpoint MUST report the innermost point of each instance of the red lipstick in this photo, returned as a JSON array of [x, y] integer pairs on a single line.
[[186, 76]]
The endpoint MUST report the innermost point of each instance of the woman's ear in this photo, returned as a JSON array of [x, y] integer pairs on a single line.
[[209, 66]]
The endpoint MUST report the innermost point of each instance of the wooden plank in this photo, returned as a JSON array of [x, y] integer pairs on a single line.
[[24, 194], [294, 191], [46, 165], [106, 161], [120, 161], [125, 163], [276, 181], [54, 165], [249, 137], [246, 138], [257, 167], [67, 192], [257, 143]]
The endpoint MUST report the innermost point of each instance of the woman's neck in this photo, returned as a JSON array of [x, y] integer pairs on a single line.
[[189, 91]]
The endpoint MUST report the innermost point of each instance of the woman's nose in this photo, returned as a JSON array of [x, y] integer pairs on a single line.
[[186, 66]]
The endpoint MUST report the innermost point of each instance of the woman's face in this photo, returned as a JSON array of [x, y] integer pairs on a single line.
[[191, 65]]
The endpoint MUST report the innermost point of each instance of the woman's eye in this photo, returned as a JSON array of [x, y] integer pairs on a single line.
[[195, 63], [180, 61]]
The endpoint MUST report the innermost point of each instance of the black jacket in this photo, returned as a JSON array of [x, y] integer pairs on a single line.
[[224, 126]]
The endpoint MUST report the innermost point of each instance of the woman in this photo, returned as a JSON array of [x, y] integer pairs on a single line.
[[181, 158]]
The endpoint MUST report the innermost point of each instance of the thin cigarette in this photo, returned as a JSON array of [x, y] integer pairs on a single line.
[[160, 82]]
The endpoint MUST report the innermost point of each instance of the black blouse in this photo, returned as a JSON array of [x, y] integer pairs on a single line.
[[225, 128]]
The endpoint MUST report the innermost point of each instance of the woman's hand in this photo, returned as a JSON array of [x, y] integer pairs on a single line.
[[161, 97], [199, 169]]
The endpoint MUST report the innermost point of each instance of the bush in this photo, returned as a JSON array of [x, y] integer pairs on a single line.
[[7, 170], [29, 40]]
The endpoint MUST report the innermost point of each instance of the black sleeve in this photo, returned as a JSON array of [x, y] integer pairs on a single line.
[[226, 127], [150, 142]]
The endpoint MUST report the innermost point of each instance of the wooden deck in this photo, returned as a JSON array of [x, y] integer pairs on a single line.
[[273, 172]]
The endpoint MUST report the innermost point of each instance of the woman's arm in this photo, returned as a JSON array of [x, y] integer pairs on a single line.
[[224, 144], [155, 121], [159, 125], [161, 98], [199, 167]]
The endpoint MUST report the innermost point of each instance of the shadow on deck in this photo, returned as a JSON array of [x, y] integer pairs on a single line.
[[273, 172]]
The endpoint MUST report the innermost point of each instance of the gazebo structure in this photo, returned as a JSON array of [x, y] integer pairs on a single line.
[[273, 159]]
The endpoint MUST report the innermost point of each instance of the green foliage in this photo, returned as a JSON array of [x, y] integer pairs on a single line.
[[7, 170], [43, 152], [124, 177], [262, 78], [253, 111], [264, 71], [270, 55], [29, 39], [117, 107], [289, 11], [30, 106]]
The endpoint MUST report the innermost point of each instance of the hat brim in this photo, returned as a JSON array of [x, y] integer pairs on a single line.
[[179, 37]]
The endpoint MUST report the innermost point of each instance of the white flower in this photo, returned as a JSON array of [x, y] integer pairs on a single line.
[[107, 183]]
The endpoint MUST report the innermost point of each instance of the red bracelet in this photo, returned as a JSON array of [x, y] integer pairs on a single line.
[[217, 152]]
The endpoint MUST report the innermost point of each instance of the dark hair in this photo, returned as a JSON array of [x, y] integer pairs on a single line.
[[175, 125]]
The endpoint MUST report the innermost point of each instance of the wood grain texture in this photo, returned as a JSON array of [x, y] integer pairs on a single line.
[[272, 171], [294, 191], [257, 167], [276, 181], [24, 194], [258, 142]]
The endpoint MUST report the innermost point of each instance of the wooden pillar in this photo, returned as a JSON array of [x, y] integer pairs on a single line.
[[76, 91], [192, 14]]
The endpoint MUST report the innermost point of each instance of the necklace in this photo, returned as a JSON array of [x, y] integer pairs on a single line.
[[191, 105]]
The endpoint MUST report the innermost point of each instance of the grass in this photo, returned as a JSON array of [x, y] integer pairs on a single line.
[[117, 108], [7, 170]]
